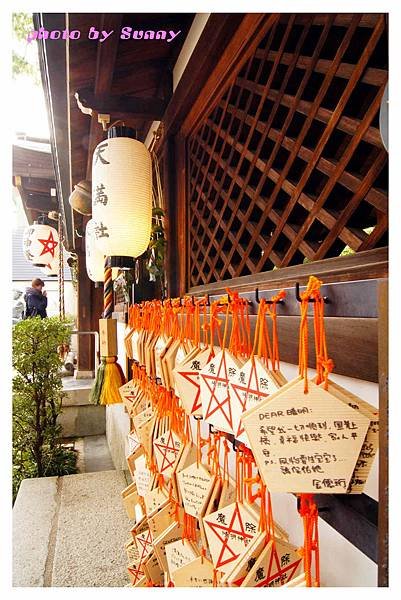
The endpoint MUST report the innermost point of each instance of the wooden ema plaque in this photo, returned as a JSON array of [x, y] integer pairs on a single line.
[[143, 477], [252, 384], [243, 564], [166, 449], [228, 493], [128, 393], [299, 581], [130, 500], [136, 574], [196, 485], [171, 534], [371, 442], [306, 443], [141, 418], [132, 552], [131, 460], [179, 554], [197, 573], [155, 500], [163, 518], [144, 543], [167, 361], [229, 531], [133, 443], [152, 569], [161, 347], [277, 564], [186, 458], [187, 380], [214, 387], [134, 345]]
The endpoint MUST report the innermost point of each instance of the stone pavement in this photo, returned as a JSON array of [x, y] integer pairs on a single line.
[[70, 531]]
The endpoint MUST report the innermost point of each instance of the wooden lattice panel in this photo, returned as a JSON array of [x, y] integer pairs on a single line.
[[289, 166]]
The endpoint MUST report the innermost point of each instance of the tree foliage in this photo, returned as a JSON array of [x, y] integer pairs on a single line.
[[22, 25], [37, 399]]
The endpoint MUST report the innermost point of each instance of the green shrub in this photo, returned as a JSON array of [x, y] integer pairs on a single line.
[[37, 399]]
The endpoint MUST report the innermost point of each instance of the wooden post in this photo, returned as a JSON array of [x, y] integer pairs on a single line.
[[382, 563], [85, 342]]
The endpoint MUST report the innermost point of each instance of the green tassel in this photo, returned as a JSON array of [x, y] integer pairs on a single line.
[[96, 391]]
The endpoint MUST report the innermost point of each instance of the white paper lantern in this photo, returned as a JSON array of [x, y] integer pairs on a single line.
[[94, 257], [40, 244], [51, 269], [122, 196]]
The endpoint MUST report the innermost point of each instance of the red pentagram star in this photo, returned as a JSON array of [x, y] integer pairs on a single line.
[[49, 245], [187, 375], [279, 570], [248, 390], [145, 543], [164, 449], [137, 573], [219, 405], [229, 529]]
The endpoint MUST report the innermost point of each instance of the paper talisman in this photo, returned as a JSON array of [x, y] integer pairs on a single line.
[[187, 381], [155, 500], [180, 553], [198, 573], [252, 384], [152, 569], [277, 564], [306, 443], [163, 518], [215, 397], [241, 567], [166, 449], [229, 531], [171, 534], [196, 484], [371, 442]]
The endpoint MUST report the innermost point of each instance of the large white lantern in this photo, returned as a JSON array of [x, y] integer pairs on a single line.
[[94, 257], [51, 268], [122, 196], [40, 244]]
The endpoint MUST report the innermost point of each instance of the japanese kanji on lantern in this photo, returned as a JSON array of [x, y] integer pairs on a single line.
[[94, 257], [40, 244], [122, 196]]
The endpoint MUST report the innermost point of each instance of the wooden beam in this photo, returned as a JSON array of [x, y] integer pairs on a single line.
[[105, 62], [218, 29], [119, 107], [383, 545]]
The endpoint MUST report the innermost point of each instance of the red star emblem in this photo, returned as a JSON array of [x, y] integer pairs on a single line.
[[249, 389], [137, 573], [144, 544], [278, 570], [165, 449], [193, 378], [219, 405], [49, 245], [236, 526]]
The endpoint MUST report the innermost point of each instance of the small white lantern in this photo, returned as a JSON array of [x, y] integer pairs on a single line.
[[94, 257], [40, 244], [122, 196]]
